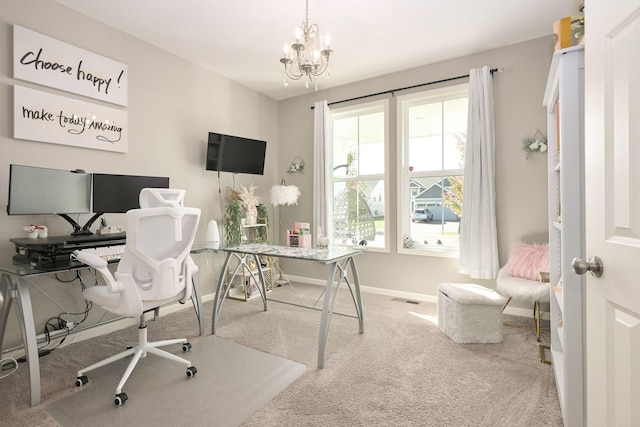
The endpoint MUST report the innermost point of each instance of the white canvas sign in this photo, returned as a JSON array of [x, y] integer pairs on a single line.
[[41, 59], [46, 117]]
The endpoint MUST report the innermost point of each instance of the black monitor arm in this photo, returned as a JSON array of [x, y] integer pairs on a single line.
[[81, 230]]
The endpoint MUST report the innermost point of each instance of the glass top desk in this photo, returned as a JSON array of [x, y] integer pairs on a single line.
[[14, 285], [339, 259]]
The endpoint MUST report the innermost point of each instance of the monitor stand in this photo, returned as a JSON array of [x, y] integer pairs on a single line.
[[81, 230]]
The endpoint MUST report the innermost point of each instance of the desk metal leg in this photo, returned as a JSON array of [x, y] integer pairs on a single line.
[[196, 299], [263, 285], [330, 297], [24, 311], [6, 289], [221, 290], [358, 301], [221, 293]]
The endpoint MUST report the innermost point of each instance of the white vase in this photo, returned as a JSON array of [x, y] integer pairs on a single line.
[[251, 217]]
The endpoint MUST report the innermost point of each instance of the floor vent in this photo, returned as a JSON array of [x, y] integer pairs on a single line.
[[408, 301]]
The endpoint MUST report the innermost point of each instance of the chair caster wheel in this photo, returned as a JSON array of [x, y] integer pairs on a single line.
[[186, 347], [191, 371], [121, 399], [81, 380]]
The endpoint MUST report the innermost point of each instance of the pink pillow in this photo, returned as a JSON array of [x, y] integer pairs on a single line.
[[528, 260]]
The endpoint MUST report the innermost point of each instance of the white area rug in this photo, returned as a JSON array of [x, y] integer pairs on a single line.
[[233, 381]]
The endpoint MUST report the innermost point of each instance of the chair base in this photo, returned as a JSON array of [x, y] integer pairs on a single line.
[[537, 315], [139, 351]]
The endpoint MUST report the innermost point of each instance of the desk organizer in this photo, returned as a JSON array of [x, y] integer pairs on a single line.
[[299, 240]]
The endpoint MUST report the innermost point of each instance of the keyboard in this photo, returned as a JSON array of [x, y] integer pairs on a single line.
[[107, 253]]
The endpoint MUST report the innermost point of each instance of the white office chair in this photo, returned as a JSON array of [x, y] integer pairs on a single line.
[[154, 270], [158, 197]]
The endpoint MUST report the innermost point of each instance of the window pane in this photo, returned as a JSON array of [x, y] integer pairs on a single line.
[[425, 137], [345, 146], [437, 134], [425, 154], [358, 145], [358, 214], [371, 150], [455, 132], [435, 220]]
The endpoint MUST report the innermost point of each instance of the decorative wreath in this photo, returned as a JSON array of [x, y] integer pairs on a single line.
[[297, 165], [538, 142]]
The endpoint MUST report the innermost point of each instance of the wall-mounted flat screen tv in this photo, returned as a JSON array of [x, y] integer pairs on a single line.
[[226, 153]]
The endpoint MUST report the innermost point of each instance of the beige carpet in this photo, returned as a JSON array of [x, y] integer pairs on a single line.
[[401, 372]]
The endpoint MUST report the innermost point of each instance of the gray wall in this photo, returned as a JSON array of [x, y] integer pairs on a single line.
[[173, 104], [520, 184]]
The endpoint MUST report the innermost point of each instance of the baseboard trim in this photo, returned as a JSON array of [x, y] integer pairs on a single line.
[[514, 311]]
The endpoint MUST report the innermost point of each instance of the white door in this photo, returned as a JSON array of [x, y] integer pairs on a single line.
[[612, 201]]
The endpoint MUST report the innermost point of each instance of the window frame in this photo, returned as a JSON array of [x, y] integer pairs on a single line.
[[403, 223], [347, 112]]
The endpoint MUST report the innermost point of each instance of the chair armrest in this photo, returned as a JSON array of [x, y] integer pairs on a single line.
[[92, 260]]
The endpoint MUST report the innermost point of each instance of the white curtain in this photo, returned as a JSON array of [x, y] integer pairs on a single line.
[[320, 134], [478, 235]]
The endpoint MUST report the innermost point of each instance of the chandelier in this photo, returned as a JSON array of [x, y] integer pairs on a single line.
[[308, 55]]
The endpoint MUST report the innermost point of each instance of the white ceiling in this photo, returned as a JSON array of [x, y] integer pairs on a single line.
[[242, 39]]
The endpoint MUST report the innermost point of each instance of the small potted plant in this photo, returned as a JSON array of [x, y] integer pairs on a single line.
[[250, 203], [233, 223]]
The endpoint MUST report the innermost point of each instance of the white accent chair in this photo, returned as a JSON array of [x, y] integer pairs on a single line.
[[536, 292], [154, 270]]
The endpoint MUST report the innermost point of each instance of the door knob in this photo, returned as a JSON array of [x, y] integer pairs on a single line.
[[593, 266]]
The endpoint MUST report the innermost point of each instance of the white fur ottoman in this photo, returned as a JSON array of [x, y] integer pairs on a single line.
[[470, 313]]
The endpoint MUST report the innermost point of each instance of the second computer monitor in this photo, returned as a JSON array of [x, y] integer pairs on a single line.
[[120, 193]]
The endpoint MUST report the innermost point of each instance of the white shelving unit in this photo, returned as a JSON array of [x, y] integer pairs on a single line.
[[564, 99]]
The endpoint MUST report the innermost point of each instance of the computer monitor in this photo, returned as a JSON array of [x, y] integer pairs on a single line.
[[120, 193], [43, 191]]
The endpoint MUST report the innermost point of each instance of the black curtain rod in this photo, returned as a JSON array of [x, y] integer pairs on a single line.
[[392, 91]]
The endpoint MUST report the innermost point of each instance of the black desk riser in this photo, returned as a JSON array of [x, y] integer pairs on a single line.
[[54, 252]]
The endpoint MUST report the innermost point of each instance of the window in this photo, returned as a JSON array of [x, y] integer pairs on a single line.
[[357, 175], [432, 135]]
